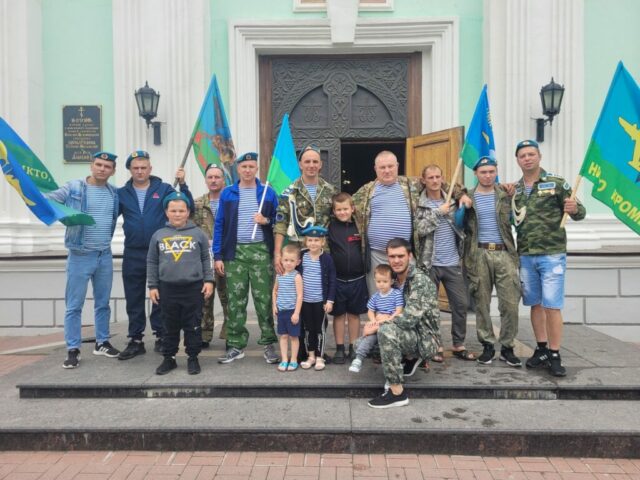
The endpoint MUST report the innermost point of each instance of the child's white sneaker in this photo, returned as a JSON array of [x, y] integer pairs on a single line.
[[356, 366]]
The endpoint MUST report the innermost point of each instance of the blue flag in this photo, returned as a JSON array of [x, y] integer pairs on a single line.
[[30, 178], [479, 140], [283, 169]]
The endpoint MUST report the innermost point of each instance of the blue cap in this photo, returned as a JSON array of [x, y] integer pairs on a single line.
[[105, 156], [137, 154], [248, 156], [310, 146], [314, 231], [526, 143], [176, 196], [485, 161]]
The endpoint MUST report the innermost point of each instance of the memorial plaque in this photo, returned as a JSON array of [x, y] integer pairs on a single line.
[[81, 132]]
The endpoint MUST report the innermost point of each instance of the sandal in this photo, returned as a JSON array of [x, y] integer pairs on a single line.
[[320, 364], [308, 363], [283, 366], [292, 366], [438, 357], [464, 354]]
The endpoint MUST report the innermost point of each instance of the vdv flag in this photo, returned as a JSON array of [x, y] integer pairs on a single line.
[[612, 161], [479, 140], [30, 178], [212, 142], [283, 169]]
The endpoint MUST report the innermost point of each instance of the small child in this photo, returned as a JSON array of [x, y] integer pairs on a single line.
[[345, 244], [287, 303], [384, 305], [179, 275], [319, 291]]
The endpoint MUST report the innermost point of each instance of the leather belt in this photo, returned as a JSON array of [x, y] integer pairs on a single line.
[[492, 246]]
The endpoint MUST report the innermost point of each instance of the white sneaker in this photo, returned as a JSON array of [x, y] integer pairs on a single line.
[[356, 366]]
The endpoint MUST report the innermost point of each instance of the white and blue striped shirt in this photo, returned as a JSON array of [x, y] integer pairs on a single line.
[[445, 250], [247, 208], [214, 210], [141, 193], [488, 231], [386, 303], [390, 216], [313, 190], [287, 295], [100, 207], [311, 279]]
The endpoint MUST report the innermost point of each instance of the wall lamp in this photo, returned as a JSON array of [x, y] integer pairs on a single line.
[[551, 97], [147, 99]]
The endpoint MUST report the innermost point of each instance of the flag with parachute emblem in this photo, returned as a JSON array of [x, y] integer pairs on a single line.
[[479, 139]]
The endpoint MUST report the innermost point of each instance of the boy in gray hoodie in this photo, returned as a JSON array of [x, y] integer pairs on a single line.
[[179, 275]]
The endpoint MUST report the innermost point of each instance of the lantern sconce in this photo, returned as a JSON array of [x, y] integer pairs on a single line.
[[551, 97], [147, 99]]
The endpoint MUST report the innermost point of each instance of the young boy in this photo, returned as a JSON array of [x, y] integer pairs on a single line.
[[351, 290], [287, 303], [179, 275], [384, 305]]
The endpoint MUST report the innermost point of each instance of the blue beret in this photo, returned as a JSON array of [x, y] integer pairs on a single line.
[[105, 156], [314, 231], [485, 161], [136, 154], [526, 143], [175, 196], [311, 146], [248, 156]]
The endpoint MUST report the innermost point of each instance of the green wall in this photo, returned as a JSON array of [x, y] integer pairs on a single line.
[[77, 70]]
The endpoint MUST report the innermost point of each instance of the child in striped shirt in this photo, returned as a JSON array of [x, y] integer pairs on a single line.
[[287, 303], [384, 305]]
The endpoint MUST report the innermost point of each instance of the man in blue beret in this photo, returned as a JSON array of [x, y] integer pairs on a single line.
[[491, 260], [245, 258], [89, 256], [141, 208]]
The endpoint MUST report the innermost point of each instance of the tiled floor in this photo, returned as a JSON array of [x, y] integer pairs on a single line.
[[281, 465]]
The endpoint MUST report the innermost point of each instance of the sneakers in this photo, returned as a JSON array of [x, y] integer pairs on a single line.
[[486, 357], [507, 355], [540, 358], [339, 358], [193, 366], [106, 349], [352, 352], [168, 364], [134, 348], [73, 359], [157, 346], [270, 355], [356, 366], [389, 400], [555, 365], [205, 345], [410, 366], [232, 355]]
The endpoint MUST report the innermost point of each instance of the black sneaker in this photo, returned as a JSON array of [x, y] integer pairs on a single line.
[[134, 348], [507, 355], [540, 358], [486, 357], [106, 349], [270, 355], [232, 355], [389, 400], [73, 359], [555, 365], [205, 345], [157, 347], [193, 366], [168, 364], [409, 367], [352, 353], [339, 358]]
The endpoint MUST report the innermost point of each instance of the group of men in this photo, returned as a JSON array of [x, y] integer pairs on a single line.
[[405, 222]]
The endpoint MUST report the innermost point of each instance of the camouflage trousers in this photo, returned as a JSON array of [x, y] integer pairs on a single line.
[[207, 310], [496, 267], [396, 343], [251, 267]]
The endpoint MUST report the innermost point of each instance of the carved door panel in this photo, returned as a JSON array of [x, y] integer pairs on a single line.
[[440, 148]]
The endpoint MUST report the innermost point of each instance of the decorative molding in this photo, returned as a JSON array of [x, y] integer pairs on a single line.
[[300, 6]]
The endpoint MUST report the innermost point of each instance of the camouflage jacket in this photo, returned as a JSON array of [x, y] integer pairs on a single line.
[[421, 310], [503, 215], [539, 232], [425, 224], [202, 215], [320, 210], [362, 201]]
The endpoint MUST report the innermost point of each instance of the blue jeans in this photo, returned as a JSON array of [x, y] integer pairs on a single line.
[[82, 267], [542, 278]]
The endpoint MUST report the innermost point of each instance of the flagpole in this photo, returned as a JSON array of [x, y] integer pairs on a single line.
[[453, 180], [573, 197], [264, 194], [184, 159]]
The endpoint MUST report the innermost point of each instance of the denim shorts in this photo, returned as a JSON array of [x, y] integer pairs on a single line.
[[542, 278]]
